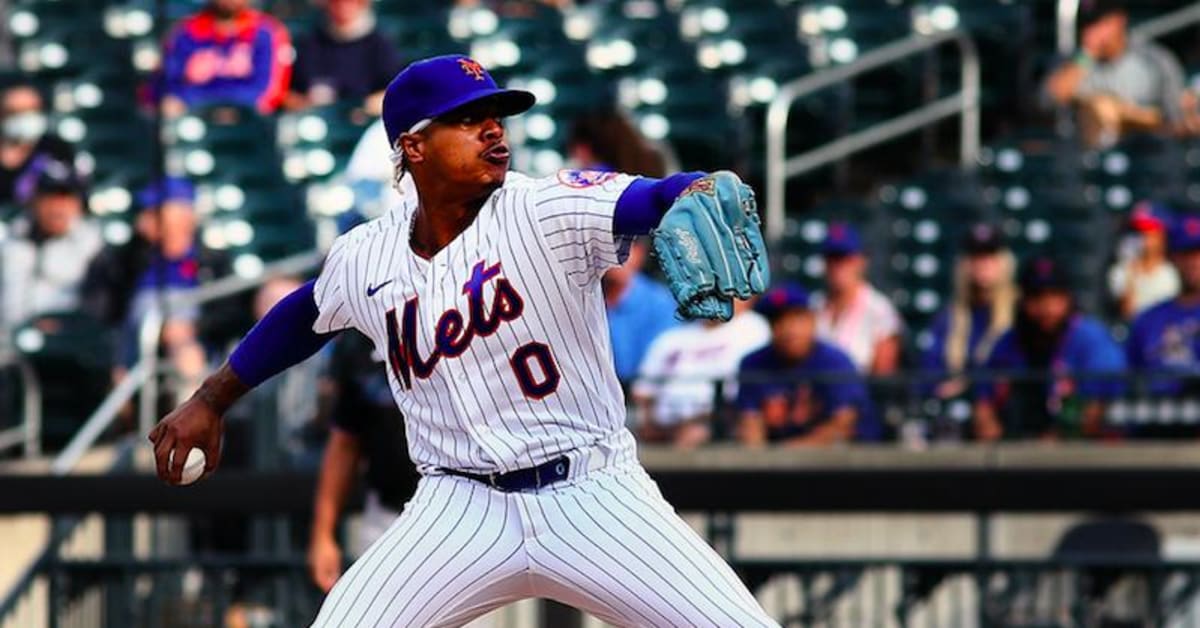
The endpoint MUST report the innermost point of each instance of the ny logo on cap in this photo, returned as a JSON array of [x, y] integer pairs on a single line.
[[472, 68]]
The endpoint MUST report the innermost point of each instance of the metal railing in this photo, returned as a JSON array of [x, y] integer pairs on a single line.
[[143, 376], [27, 435], [1167, 23], [964, 103], [1067, 16], [151, 328], [18, 606]]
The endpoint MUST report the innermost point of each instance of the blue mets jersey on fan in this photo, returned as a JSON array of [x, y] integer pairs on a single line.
[[498, 349], [1166, 337]]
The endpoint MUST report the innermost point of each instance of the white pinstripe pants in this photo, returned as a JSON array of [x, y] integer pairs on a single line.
[[607, 543]]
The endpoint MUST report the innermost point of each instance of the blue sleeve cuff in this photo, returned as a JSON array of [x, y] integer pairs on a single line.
[[642, 204], [283, 338]]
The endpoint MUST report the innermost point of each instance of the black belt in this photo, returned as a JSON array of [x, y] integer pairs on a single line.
[[528, 479]]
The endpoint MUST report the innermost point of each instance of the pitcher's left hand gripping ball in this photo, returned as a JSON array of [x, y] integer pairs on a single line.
[[711, 248]]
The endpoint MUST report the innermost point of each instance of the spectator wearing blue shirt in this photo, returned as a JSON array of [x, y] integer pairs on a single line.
[[126, 281], [797, 390], [984, 300], [1066, 354], [1166, 337], [639, 309]]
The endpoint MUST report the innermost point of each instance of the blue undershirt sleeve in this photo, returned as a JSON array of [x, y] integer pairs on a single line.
[[283, 338], [642, 204]]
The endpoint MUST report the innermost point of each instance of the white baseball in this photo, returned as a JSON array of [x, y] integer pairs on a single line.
[[193, 467]]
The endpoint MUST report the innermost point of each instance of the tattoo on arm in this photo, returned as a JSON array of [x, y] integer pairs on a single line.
[[221, 390]]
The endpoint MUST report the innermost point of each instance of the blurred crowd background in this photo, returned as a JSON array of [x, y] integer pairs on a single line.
[[170, 169], [1049, 291]]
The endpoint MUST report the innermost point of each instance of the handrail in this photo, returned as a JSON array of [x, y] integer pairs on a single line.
[[61, 530], [29, 433], [151, 328], [966, 103], [1163, 24], [100, 419], [1067, 17], [143, 376]]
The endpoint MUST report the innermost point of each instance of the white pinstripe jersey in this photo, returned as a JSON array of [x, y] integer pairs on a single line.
[[498, 349]]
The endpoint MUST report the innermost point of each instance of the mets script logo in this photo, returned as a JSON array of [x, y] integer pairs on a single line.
[[472, 68], [584, 178], [533, 363]]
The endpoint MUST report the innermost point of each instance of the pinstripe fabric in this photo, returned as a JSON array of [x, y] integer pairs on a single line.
[[499, 358], [551, 243], [607, 544]]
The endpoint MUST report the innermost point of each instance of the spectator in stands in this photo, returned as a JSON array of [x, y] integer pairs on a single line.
[[366, 427], [42, 263], [163, 260], [797, 390], [855, 317], [344, 59], [639, 310], [607, 140], [25, 143], [1166, 337], [227, 53], [1118, 84], [1071, 361], [981, 310], [676, 394], [1142, 275]]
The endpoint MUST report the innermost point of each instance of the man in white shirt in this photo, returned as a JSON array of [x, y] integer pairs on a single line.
[[676, 390], [43, 263], [855, 316]]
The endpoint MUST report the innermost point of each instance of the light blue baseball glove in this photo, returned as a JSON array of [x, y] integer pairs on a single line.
[[710, 247]]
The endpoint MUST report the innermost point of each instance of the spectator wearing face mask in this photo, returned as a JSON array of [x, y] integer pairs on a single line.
[[25, 143], [43, 262], [345, 58], [227, 54], [1054, 370], [1142, 275]]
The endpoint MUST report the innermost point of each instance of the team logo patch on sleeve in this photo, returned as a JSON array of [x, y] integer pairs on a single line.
[[584, 178]]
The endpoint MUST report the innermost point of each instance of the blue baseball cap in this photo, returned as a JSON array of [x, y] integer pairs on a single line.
[[841, 239], [435, 86], [1184, 234], [166, 190], [782, 297]]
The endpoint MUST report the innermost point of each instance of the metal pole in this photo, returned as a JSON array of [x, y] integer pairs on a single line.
[[779, 168], [99, 420], [32, 400], [1067, 13], [1163, 24], [969, 130], [148, 336]]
